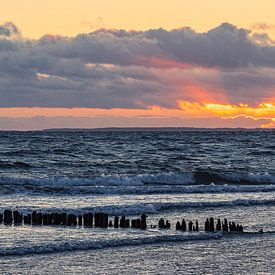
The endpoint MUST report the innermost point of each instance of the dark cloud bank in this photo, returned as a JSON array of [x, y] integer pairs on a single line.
[[123, 69]]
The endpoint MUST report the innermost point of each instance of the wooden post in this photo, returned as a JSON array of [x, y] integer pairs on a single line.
[[190, 226], [211, 225], [183, 225], [27, 219], [34, 218], [116, 222], [143, 223], [207, 225], [219, 225], [197, 226], [80, 220]]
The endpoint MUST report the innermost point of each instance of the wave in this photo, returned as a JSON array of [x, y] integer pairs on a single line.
[[150, 208], [154, 208], [210, 176], [83, 245], [197, 182], [15, 164], [72, 245]]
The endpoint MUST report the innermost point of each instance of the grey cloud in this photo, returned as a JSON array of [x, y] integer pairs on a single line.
[[9, 29], [125, 69]]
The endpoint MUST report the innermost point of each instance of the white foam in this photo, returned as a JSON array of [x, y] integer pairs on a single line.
[[149, 208]]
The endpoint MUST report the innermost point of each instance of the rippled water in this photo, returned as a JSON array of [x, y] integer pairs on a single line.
[[175, 175]]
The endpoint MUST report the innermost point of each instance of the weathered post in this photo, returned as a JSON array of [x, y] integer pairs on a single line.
[[122, 222], [143, 223], [116, 222], [219, 225], [33, 217], [190, 226], [197, 226], [183, 225], [225, 225], [161, 223], [80, 220], [211, 225], [27, 219], [17, 218], [207, 225], [64, 218]]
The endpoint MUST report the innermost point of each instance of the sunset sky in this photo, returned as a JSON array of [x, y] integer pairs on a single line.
[[176, 63]]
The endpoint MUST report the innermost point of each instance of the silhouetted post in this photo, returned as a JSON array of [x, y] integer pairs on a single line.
[[143, 223], [233, 227], [133, 223], [207, 225], [219, 225], [7, 217], [183, 225], [88, 219], [80, 220], [39, 218], [197, 226], [138, 221], [27, 219], [49, 219], [106, 218], [225, 225], [122, 222], [127, 223], [178, 227], [57, 219], [161, 223], [116, 222], [211, 225], [64, 218], [190, 226], [71, 220], [17, 218], [96, 219], [45, 219], [110, 223], [33, 217]]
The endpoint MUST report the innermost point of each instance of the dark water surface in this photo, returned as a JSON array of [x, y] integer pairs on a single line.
[[164, 174]]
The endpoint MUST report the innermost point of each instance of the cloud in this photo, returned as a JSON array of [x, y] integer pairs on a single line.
[[262, 26], [8, 29], [136, 69]]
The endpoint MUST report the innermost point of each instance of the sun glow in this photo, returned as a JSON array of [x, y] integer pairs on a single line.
[[261, 111]]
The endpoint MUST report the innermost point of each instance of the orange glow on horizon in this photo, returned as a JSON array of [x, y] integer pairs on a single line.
[[186, 109]]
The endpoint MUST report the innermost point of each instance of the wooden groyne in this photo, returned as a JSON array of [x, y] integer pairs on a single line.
[[102, 220]]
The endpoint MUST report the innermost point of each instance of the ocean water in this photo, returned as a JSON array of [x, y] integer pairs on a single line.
[[169, 174]]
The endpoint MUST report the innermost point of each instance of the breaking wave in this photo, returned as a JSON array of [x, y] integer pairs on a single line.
[[72, 245], [152, 208], [197, 182]]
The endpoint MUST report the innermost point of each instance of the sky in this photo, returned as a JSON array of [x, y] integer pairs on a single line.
[[87, 64]]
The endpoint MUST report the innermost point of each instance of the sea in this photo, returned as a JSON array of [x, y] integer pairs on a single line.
[[169, 174]]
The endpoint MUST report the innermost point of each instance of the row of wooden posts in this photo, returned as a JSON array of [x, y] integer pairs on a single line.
[[102, 220], [209, 226], [89, 219]]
